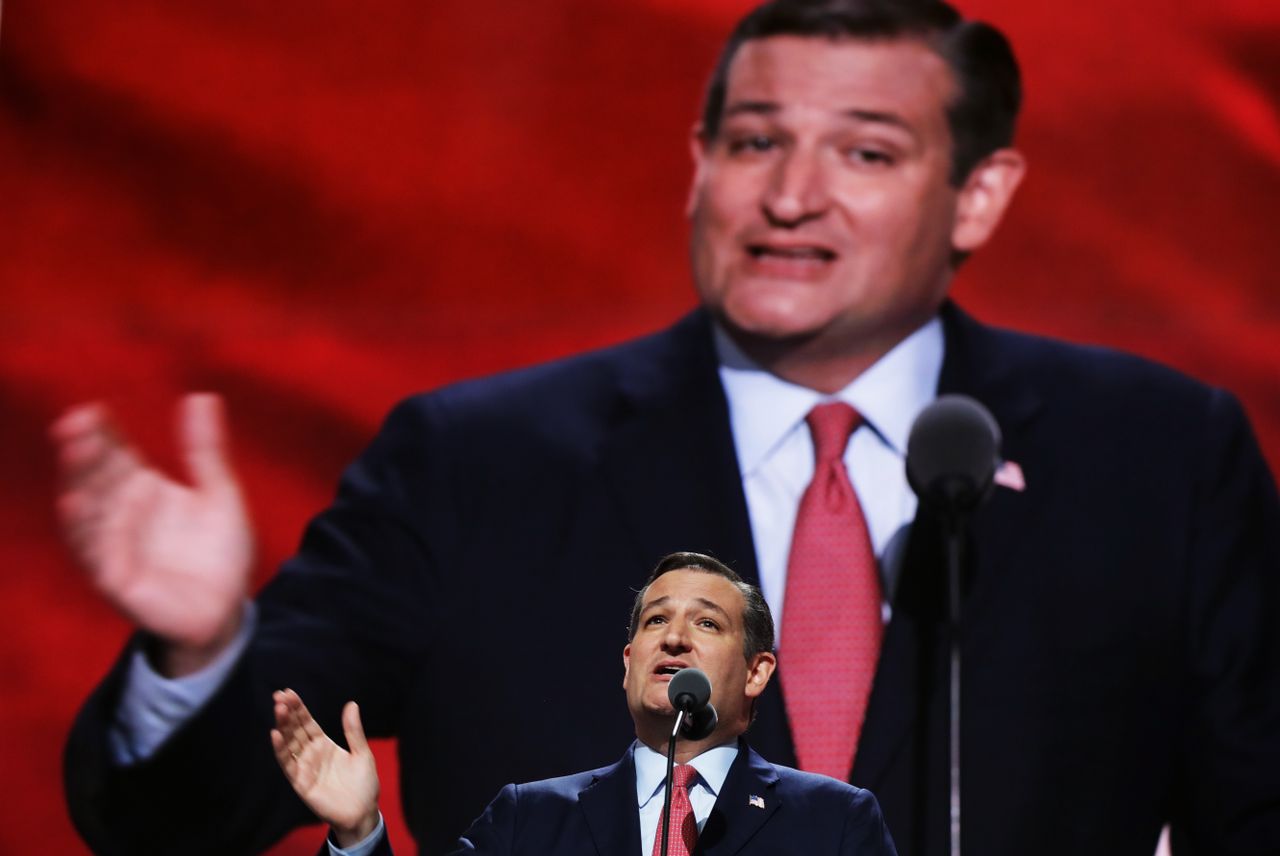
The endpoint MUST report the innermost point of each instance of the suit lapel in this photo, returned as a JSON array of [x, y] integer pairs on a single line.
[[669, 458], [746, 802], [987, 367], [978, 365], [612, 813]]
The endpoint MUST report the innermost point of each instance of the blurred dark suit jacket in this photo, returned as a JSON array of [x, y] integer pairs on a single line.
[[1121, 657]]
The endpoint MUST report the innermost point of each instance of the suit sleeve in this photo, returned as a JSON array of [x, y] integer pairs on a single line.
[[865, 832], [494, 831], [1229, 799], [347, 618]]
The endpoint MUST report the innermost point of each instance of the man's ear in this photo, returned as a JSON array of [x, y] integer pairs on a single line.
[[759, 670], [985, 197], [626, 663], [698, 148]]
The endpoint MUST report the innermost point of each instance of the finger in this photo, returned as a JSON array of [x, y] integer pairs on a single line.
[[111, 538], [85, 458], [303, 722], [86, 511], [98, 469], [295, 746], [80, 517], [203, 438], [354, 729], [286, 759], [286, 711], [300, 776], [79, 419], [280, 710], [307, 723]]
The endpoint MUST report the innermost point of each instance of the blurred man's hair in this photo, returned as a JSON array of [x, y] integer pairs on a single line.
[[984, 112]]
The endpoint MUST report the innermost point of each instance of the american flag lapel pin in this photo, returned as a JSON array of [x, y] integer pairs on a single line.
[[756, 801], [1009, 475]]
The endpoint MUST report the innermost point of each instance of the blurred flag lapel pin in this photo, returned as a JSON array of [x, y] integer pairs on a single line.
[[756, 801], [1009, 475]]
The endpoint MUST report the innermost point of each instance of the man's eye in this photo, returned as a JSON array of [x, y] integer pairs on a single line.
[[655, 619], [751, 143], [708, 623], [870, 157]]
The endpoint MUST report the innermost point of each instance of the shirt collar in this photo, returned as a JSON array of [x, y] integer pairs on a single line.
[[764, 408], [651, 769]]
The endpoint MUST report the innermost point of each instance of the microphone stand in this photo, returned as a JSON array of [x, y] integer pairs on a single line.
[[952, 458], [671, 763], [955, 543]]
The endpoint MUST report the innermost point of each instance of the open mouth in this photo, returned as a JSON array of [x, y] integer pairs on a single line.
[[666, 670], [801, 254]]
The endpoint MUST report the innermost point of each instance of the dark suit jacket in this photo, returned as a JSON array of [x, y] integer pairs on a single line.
[[761, 809], [595, 814], [1121, 666]]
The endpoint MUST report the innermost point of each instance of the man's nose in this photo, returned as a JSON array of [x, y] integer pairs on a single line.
[[676, 639], [797, 189]]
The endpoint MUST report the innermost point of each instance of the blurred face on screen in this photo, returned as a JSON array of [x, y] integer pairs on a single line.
[[692, 619], [822, 207]]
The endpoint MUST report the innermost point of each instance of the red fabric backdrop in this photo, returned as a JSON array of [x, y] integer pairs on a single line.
[[316, 208]]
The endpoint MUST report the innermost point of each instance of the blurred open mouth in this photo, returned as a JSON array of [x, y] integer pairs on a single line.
[[799, 253], [799, 260]]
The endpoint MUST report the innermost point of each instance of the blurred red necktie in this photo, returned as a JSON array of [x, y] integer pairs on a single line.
[[831, 624]]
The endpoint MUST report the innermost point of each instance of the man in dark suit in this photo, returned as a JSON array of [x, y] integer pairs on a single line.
[[693, 612], [1121, 653]]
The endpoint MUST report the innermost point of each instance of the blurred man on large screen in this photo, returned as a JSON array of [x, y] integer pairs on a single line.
[[1120, 644]]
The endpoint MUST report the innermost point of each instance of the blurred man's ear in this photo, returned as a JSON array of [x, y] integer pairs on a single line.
[[626, 663], [698, 145], [985, 197]]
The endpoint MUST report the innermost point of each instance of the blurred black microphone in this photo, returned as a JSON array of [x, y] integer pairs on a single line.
[[690, 691], [952, 454]]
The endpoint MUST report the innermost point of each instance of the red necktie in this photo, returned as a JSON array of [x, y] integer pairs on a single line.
[[684, 826], [831, 624]]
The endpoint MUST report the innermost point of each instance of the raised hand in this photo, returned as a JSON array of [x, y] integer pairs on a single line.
[[173, 558], [341, 787]]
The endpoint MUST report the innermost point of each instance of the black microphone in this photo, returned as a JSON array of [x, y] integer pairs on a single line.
[[952, 454], [690, 691], [690, 694]]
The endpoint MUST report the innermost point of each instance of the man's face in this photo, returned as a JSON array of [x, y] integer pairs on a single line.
[[822, 208], [693, 619]]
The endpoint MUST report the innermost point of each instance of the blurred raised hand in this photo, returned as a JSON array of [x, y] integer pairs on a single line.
[[340, 786], [175, 558]]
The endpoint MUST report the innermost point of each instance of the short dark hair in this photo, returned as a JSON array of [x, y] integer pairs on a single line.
[[757, 620], [982, 116]]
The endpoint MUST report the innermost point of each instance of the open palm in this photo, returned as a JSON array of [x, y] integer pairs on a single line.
[[340, 786], [174, 558]]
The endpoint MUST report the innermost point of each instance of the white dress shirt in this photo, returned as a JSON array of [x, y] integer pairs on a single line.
[[775, 448], [651, 787]]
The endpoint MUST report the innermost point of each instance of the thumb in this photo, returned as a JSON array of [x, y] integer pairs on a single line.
[[352, 728], [202, 435]]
